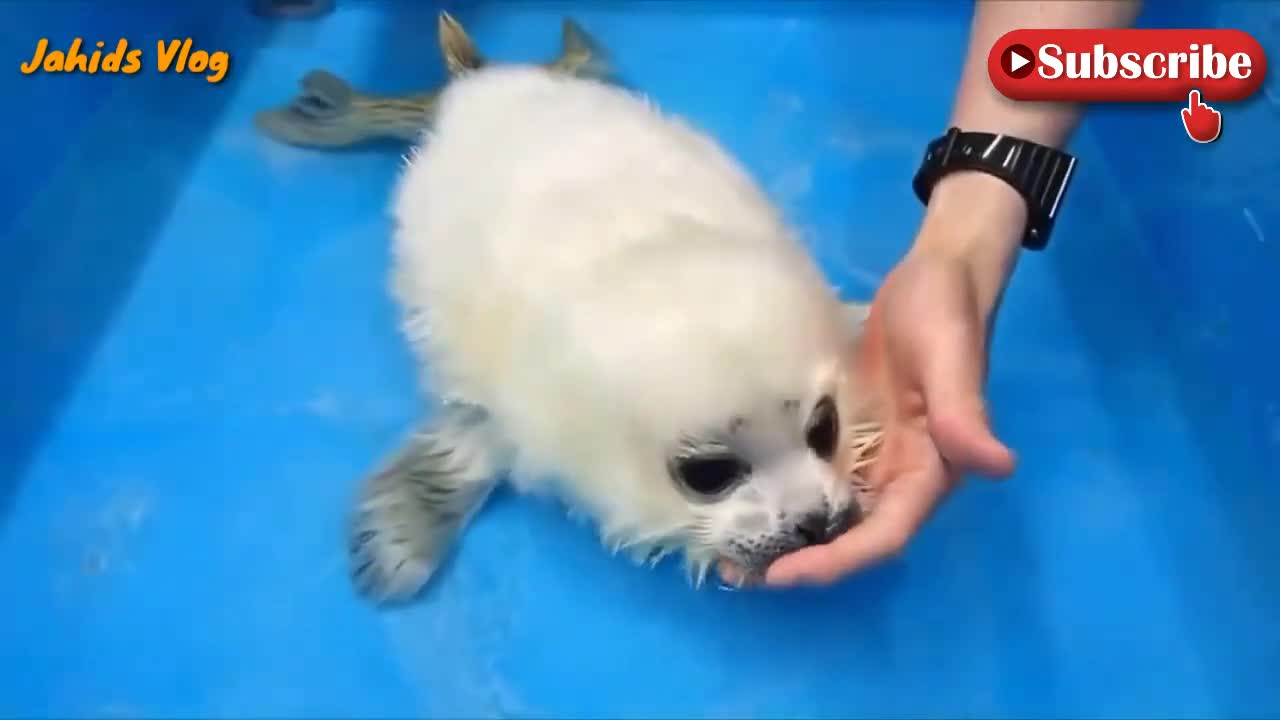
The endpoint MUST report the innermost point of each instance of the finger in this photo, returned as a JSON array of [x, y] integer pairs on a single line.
[[966, 441], [904, 507], [1193, 99], [731, 573], [728, 571], [953, 376], [1186, 116]]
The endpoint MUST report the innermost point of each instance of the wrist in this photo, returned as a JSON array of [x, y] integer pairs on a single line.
[[979, 221]]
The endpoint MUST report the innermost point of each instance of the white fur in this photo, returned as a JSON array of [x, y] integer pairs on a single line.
[[602, 277]]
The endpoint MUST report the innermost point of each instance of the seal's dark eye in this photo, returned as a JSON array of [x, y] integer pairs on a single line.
[[823, 428], [710, 474]]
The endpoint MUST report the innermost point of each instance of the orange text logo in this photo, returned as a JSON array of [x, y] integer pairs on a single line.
[[177, 56]]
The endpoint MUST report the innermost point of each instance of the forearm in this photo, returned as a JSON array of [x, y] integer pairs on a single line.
[[974, 216], [980, 107]]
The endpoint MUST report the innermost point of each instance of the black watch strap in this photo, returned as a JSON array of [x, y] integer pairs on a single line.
[[1039, 173]]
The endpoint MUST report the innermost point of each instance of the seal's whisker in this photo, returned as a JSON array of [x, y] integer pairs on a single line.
[[698, 571], [865, 441]]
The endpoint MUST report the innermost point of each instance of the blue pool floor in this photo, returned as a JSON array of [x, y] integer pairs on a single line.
[[211, 363]]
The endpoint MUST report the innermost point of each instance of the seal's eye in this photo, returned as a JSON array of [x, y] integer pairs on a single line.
[[710, 475], [823, 428]]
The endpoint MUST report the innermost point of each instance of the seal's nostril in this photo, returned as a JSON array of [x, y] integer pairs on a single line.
[[818, 528], [813, 528]]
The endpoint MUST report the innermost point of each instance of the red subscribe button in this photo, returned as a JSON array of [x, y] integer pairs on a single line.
[[1126, 65]]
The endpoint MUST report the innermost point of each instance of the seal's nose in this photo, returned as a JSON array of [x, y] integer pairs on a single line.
[[818, 528]]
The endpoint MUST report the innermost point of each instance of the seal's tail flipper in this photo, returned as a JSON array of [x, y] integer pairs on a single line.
[[411, 511], [588, 57], [459, 52]]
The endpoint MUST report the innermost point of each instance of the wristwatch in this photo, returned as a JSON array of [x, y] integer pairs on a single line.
[[1038, 172]]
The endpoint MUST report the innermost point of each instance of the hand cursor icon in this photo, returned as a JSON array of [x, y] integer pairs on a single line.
[[1203, 123]]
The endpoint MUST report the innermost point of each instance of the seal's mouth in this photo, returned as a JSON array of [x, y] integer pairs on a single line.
[[741, 570]]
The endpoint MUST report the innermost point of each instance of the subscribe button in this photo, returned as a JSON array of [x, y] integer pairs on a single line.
[[1135, 65]]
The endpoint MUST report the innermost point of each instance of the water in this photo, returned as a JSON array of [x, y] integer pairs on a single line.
[[202, 360]]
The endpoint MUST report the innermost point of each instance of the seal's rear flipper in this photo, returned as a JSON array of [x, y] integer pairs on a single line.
[[459, 52], [323, 94], [576, 42], [411, 511]]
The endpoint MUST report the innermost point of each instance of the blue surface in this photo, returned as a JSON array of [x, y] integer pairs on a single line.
[[201, 359]]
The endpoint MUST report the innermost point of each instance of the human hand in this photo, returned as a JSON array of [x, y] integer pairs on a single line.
[[924, 350]]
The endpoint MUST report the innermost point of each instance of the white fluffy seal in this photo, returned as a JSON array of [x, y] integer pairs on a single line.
[[615, 312]]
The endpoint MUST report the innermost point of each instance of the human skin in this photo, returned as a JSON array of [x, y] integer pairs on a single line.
[[926, 339]]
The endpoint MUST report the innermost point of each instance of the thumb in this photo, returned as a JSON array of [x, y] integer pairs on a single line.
[[963, 437], [953, 380], [1186, 116]]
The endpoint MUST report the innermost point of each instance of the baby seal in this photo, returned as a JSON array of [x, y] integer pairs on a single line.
[[617, 314]]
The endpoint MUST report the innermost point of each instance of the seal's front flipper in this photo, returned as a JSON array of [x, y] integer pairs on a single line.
[[411, 511]]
